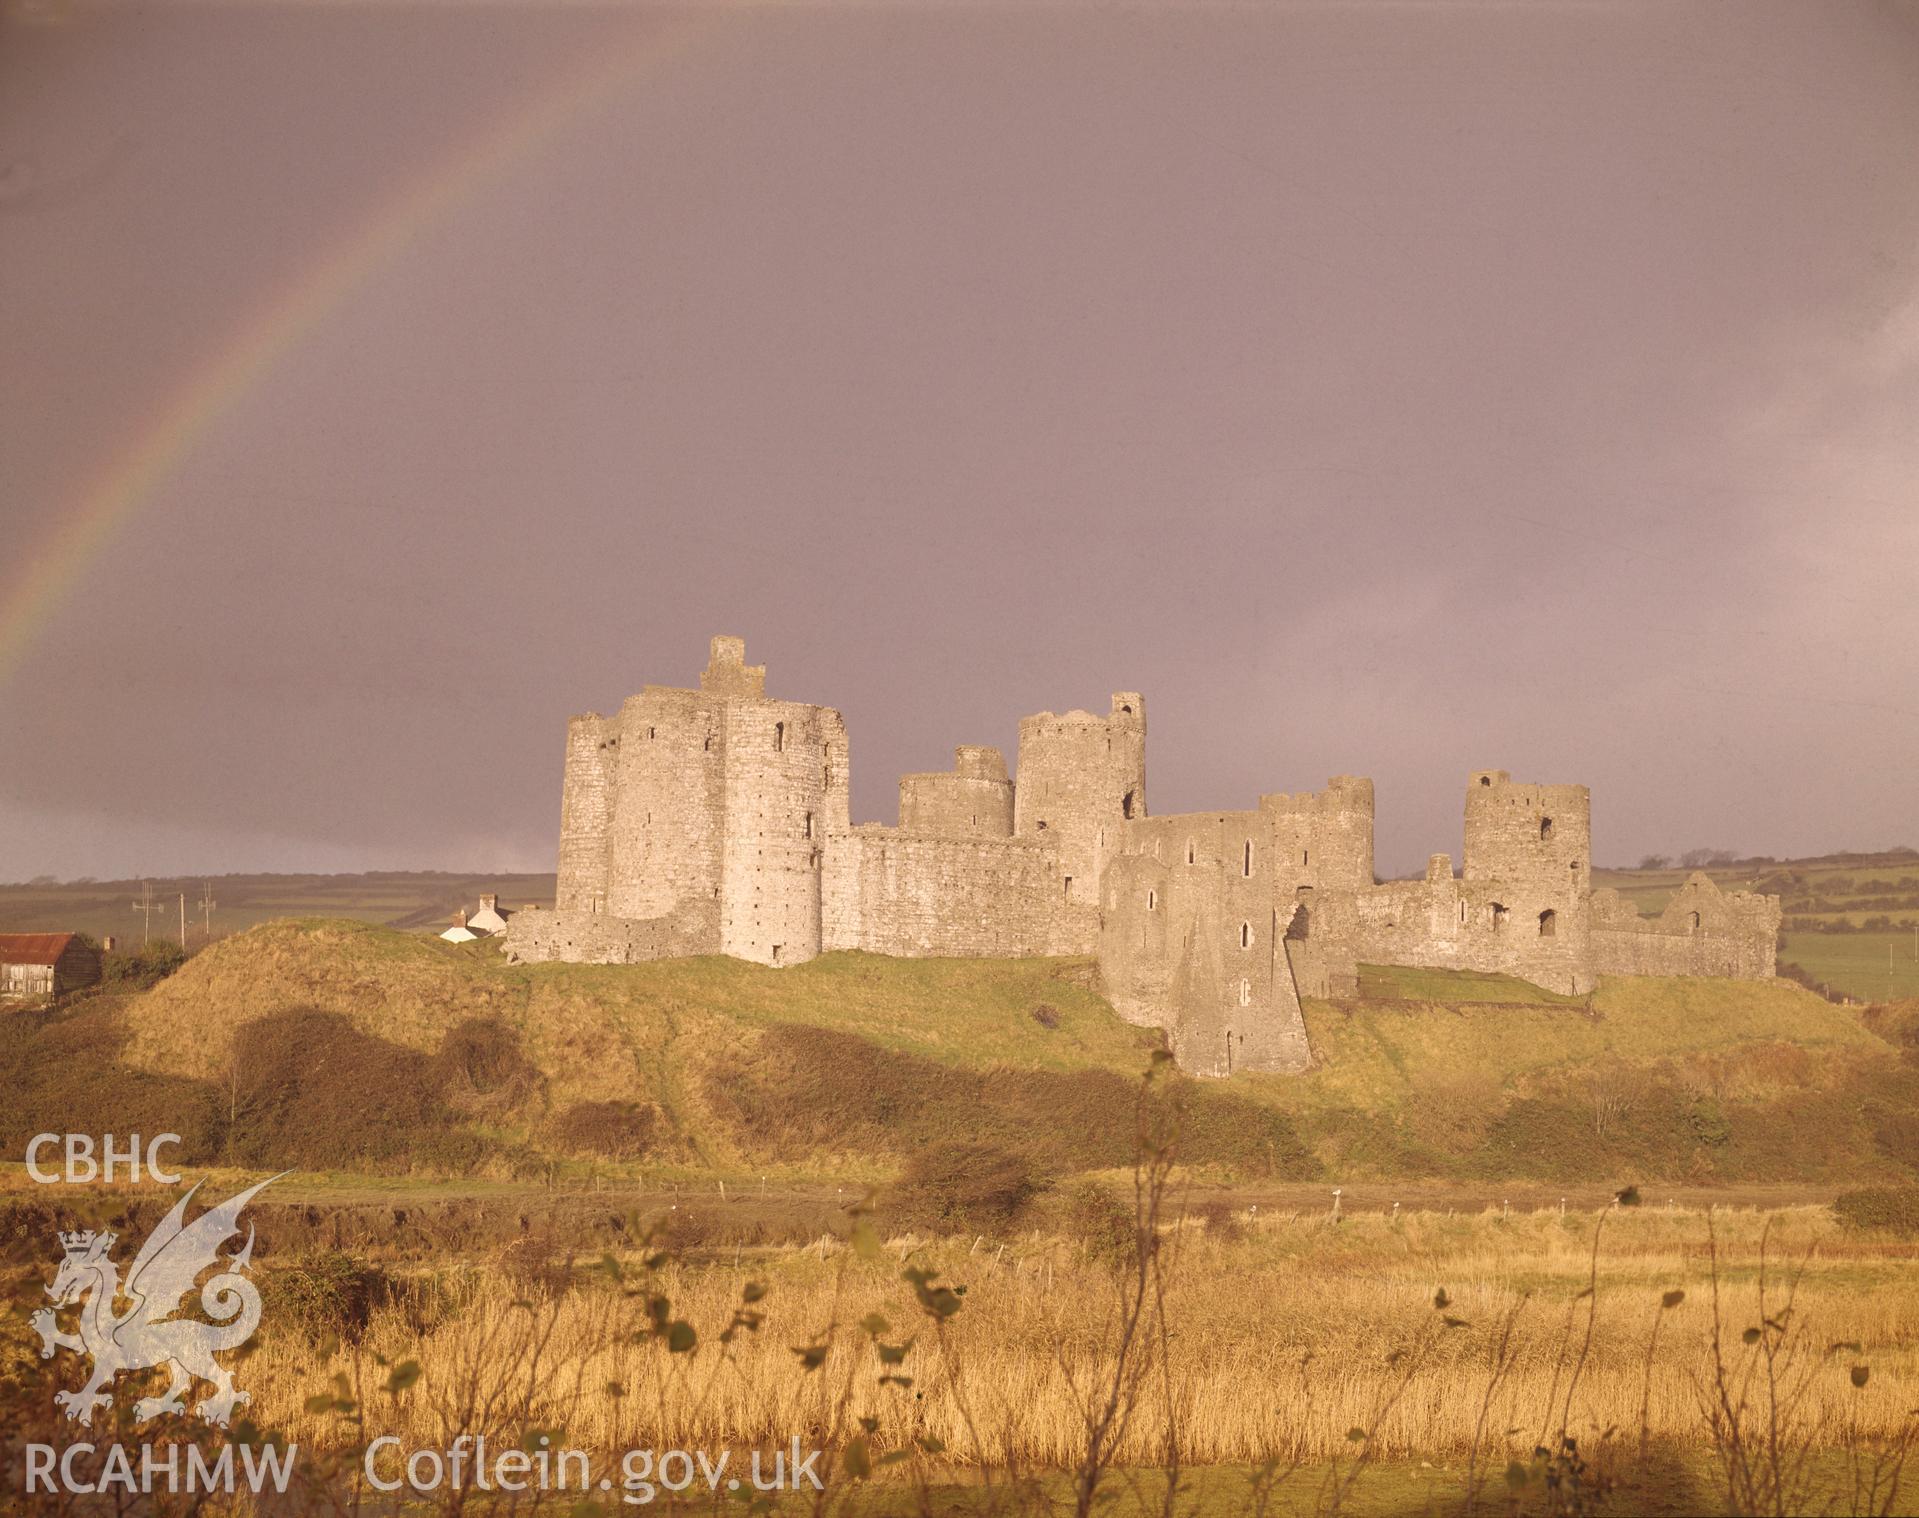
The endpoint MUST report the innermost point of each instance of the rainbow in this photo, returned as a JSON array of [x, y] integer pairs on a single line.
[[196, 402]]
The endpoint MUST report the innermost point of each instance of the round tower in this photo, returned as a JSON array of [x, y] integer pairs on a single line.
[[974, 799]]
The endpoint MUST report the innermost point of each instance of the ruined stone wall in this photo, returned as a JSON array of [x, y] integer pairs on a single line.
[[1702, 931], [1448, 924], [974, 800], [1192, 940], [594, 938], [890, 891], [1081, 777], [586, 813]]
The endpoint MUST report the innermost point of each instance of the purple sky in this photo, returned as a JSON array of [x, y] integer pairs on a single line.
[[1384, 389]]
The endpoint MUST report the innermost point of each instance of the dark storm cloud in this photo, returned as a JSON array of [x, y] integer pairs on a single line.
[[1391, 390]]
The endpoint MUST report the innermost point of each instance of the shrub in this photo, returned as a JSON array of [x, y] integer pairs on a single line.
[[1046, 1015], [1895, 1208], [324, 1294], [537, 1266], [963, 1186], [1222, 1220], [143, 968], [1103, 1224]]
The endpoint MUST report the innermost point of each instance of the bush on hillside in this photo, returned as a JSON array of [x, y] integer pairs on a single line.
[[1894, 1208], [959, 1186], [143, 968]]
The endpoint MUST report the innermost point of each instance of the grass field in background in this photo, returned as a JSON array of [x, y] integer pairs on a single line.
[[1864, 966], [407, 899]]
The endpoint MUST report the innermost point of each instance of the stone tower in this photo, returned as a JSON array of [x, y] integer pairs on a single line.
[[1532, 845], [708, 807], [1080, 779], [973, 800], [1323, 840]]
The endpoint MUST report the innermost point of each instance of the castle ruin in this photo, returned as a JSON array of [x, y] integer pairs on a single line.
[[715, 821]]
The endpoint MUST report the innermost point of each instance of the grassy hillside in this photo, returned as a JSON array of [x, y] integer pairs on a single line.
[[334, 1045]]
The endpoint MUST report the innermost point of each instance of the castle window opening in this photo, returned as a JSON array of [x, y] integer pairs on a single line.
[[1126, 806], [1462, 911], [1485, 779], [1067, 889], [708, 744], [1152, 900], [1245, 935], [1548, 923], [809, 824], [1191, 857], [1246, 860], [1042, 824], [1500, 914], [779, 737], [651, 733], [1695, 922], [1305, 856], [776, 952], [1545, 828]]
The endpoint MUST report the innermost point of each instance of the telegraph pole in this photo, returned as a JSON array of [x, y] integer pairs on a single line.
[[206, 909], [145, 906], [183, 922]]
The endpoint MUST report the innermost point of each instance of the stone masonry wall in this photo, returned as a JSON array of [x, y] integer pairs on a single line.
[[593, 938], [1192, 940], [974, 800], [785, 789], [1081, 777], [586, 813], [890, 891], [1324, 839], [1702, 931]]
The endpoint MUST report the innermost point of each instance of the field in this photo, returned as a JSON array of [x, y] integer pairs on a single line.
[[410, 900], [1291, 1363]]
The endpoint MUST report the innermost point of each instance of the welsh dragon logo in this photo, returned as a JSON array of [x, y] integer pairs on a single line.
[[147, 1333]]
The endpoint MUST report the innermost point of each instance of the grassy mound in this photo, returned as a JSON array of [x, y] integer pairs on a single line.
[[334, 1044]]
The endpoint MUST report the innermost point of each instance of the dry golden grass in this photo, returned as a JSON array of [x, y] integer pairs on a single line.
[[1281, 1342]]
